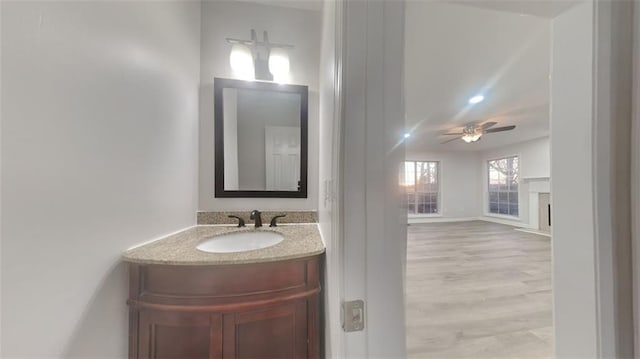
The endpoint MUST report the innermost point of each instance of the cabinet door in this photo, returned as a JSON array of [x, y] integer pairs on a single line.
[[179, 335], [274, 332]]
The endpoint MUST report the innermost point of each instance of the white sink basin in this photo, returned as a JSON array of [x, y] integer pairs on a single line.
[[240, 242]]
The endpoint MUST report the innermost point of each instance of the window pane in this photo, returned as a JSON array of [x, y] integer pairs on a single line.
[[407, 174], [419, 180], [422, 200], [513, 209], [407, 199], [503, 185], [433, 202], [411, 201], [493, 207]]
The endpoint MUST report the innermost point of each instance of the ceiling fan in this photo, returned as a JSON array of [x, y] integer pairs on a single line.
[[473, 133]]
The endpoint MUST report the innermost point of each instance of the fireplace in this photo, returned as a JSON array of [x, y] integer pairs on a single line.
[[544, 212], [539, 189]]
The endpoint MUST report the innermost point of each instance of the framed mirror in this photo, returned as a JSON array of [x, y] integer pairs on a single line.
[[260, 139]]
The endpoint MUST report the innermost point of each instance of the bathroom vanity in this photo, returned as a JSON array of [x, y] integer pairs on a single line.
[[263, 303]]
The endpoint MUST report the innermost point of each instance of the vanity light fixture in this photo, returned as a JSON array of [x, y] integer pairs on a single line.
[[279, 65], [241, 60], [262, 60]]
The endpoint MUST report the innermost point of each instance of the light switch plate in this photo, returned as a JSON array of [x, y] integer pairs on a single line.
[[353, 316]]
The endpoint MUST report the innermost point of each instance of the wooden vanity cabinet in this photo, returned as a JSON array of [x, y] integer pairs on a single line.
[[259, 310]]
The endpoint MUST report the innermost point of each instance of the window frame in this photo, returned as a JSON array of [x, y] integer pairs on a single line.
[[438, 193], [487, 199]]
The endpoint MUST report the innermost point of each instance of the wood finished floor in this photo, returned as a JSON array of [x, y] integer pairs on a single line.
[[478, 290]]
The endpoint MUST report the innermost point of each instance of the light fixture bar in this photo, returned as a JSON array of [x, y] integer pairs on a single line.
[[259, 43], [270, 64], [254, 41]]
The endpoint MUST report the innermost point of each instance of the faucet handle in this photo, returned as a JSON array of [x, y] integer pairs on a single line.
[[240, 220], [274, 220]]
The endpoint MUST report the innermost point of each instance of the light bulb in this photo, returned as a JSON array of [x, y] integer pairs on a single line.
[[476, 99], [241, 60], [279, 65]]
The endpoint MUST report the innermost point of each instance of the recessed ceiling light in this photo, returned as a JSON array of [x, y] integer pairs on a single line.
[[407, 135], [476, 99]]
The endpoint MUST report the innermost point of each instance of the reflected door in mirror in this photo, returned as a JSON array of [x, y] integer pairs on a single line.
[[282, 158]]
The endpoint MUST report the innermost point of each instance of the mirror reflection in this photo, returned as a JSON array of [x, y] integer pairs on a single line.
[[262, 140], [263, 150]]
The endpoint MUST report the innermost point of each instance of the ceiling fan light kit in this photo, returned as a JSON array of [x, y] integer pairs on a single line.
[[473, 133]]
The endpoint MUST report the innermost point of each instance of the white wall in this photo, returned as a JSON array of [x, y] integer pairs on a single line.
[[460, 183], [301, 28], [99, 147], [535, 157], [574, 291], [463, 181], [534, 164]]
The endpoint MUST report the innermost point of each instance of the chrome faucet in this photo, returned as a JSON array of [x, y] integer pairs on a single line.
[[255, 216]]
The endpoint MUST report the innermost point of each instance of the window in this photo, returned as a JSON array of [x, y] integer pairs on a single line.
[[503, 186], [420, 180]]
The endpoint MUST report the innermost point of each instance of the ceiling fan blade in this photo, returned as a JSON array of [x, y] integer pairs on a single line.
[[452, 134], [486, 125], [453, 139], [500, 129]]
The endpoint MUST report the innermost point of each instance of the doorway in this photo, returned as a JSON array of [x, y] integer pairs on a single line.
[[582, 299], [477, 178]]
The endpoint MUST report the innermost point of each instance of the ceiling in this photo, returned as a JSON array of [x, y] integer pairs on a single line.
[[453, 52], [542, 8], [313, 5]]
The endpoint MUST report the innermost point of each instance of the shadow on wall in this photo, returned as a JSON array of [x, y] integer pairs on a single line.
[[104, 319]]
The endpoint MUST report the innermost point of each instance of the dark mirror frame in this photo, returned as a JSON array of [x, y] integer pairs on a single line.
[[220, 84]]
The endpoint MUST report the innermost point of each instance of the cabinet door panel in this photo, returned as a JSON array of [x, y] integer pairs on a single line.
[[276, 332], [166, 335]]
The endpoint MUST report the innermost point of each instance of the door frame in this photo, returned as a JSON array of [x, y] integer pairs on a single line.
[[374, 233], [374, 230], [635, 177], [611, 161]]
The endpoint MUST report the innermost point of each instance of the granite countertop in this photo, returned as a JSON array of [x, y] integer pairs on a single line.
[[300, 240]]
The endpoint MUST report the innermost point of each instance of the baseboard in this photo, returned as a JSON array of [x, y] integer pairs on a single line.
[[533, 231], [506, 221], [416, 220]]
